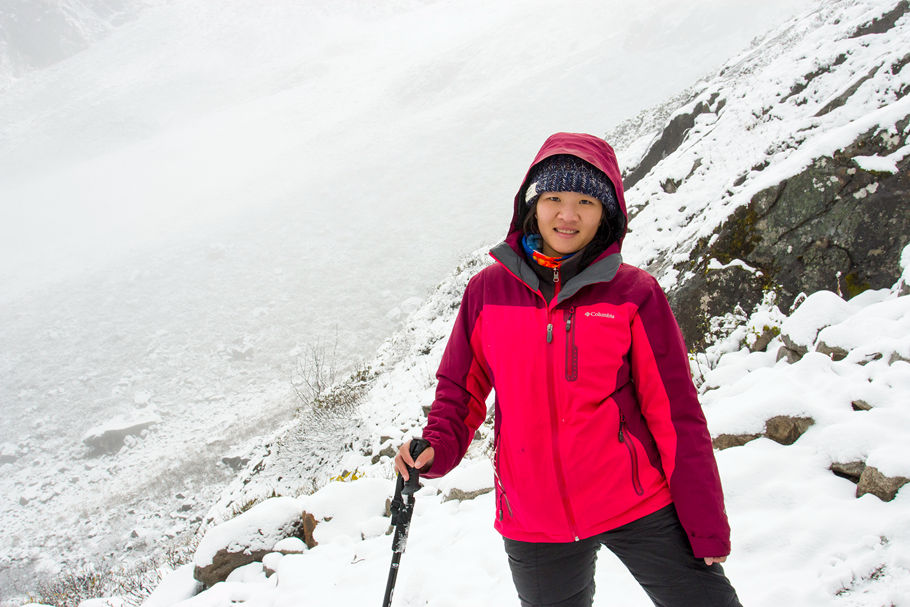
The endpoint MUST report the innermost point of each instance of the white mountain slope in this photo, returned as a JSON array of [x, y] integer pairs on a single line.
[[801, 535], [208, 189]]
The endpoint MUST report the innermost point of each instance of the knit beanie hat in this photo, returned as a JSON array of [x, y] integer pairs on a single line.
[[567, 173]]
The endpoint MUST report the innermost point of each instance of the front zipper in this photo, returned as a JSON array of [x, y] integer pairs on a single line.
[[633, 456], [571, 350], [554, 430]]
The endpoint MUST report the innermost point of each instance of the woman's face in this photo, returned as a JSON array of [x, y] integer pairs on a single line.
[[567, 221]]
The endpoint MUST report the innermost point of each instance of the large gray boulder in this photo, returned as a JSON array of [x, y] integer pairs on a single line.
[[835, 226]]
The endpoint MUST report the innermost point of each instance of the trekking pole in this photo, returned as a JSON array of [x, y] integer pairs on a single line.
[[402, 509]]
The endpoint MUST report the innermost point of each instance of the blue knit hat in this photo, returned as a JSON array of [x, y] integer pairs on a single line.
[[566, 173]]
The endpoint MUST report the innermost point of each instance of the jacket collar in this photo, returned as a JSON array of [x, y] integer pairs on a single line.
[[603, 269]]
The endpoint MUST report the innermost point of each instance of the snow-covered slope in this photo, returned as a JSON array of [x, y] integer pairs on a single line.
[[212, 187], [804, 90]]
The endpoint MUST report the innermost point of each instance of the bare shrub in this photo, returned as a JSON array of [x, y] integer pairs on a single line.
[[131, 584]]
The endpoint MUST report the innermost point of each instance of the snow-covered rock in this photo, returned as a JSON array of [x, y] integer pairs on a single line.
[[111, 436], [248, 537]]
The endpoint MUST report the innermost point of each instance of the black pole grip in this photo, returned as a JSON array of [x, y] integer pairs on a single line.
[[418, 446]]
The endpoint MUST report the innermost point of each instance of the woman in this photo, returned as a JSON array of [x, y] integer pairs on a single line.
[[599, 436]]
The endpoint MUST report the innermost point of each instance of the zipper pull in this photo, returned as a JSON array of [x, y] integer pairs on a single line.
[[555, 275], [569, 319], [550, 333], [622, 422]]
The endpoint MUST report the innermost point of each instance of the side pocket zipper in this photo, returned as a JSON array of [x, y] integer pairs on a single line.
[[633, 456], [502, 491]]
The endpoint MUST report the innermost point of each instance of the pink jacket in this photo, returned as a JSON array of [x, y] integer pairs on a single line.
[[597, 422]]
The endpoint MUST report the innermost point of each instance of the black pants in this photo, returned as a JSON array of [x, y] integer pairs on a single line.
[[654, 548]]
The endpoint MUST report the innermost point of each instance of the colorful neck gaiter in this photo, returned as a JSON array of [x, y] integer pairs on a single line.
[[532, 244]]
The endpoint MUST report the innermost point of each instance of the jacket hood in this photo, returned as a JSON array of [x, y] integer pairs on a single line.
[[592, 150]]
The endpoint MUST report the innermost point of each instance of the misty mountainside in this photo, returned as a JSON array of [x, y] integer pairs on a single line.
[[782, 174], [770, 201], [34, 35], [212, 197]]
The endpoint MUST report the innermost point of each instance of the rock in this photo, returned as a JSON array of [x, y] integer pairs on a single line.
[[834, 226], [460, 495], [791, 344], [309, 525], [110, 437], [725, 441], [833, 352], [861, 405], [670, 139], [870, 358], [850, 470], [235, 462], [291, 545], [883, 487], [389, 452], [670, 185], [270, 563], [884, 23], [785, 429], [761, 342], [896, 357], [250, 536], [792, 356]]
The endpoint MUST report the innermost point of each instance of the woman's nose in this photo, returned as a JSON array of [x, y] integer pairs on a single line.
[[568, 213]]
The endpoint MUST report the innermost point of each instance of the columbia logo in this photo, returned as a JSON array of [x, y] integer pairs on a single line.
[[600, 314]]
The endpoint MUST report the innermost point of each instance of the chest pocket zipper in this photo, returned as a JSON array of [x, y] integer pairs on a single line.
[[633, 456], [571, 350]]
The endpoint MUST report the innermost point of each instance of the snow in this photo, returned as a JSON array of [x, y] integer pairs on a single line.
[[883, 164], [175, 586], [817, 311], [179, 239], [265, 524]]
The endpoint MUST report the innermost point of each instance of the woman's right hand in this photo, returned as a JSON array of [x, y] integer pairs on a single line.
[[403, 459]]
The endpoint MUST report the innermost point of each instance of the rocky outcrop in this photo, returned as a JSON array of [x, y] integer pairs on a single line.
[[462, 495], [725, 441], [835, 226], [869, 479], [249, 537], [672, 136], [111, 437], [783, 429], [883, 487]]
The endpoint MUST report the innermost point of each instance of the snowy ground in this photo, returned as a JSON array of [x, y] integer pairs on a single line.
[[200, 196]]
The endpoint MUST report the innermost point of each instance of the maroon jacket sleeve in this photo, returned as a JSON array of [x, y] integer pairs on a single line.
[[669, 404], [463, 386]]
